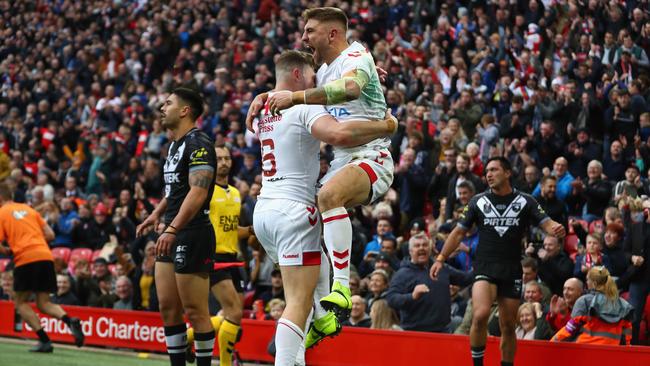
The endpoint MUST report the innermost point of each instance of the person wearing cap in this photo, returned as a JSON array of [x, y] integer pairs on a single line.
[[105, 226], [424, 304]]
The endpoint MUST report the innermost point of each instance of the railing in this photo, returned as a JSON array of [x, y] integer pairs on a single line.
[[143, 331]]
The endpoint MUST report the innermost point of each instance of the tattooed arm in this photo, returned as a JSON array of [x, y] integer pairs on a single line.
[[200, 181]]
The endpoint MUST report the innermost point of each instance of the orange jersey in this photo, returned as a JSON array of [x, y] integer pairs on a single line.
[[22, 227]]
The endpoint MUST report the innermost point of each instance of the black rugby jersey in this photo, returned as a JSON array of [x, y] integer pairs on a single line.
[[194, 151], [502, 222]]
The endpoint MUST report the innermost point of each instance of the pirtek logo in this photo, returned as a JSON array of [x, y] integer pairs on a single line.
[[289, 256], [501, 221]]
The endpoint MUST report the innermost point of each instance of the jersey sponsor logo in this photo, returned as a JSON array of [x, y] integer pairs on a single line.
[[172, 178], [501, 222], [197, 157], [19, 215], [290, 256], [172, 162], [338, 112]]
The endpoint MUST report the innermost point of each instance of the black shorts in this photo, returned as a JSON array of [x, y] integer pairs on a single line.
[[230, 273], [193, 251], [36, 277], [506, 276]]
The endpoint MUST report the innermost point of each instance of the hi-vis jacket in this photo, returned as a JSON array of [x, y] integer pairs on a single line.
[[596, 320]]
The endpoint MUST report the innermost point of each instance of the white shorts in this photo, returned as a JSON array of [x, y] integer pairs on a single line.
[[378, 164], [289, 231]]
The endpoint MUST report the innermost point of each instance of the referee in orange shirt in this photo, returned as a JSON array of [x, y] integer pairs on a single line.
[[26, 233]]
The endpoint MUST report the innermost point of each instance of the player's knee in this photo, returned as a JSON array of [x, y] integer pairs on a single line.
[[329, 199], [480, 316], [196, 313]]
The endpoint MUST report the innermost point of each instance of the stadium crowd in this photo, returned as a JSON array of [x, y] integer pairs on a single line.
[[561, 88]]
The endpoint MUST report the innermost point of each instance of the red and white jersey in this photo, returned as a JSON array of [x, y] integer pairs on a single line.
[[370, 105], [290, 154]]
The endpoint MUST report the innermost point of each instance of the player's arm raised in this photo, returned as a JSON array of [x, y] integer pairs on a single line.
[[352, 133], [338, 91]]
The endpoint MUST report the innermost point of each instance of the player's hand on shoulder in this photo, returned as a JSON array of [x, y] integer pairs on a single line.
[[279, 101], [254, 109]]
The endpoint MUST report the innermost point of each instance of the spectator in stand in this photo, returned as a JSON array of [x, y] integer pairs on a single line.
[[384, 229], [631, 186], [68, 219], [412, 176], [553, 265], [637, 248], [64, 294], [601, 316], [547, 145], [613, 248], [488, 136], [527, 315], [377, 286], [466, 191], [446, 168], [124, 293], [463, 174], [276, 291], [86, 233], [383, 316], [423, 304], [358, 316], [593, 257], [591, 199], [581, 152], [530, 274], [555, 208], [615, 163], [531, 179], [561, 306], [564, 179], [467, 111]]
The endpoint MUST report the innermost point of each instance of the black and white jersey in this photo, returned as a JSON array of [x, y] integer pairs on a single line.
[[192, 152], [502, 222]]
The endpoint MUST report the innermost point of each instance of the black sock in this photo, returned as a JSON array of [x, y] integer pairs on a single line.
[[477, 355], [66, 319], [42, 336], [176, 339], [204, 346], [506, 363]]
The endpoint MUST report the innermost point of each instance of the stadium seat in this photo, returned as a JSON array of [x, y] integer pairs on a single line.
[[81, 253], [596, 226], [96, 254], [3, 263], [61, 252], [571, 245], [248, 299]]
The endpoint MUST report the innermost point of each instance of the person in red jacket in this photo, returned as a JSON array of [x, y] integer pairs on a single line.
[[601, 316], [561, 307]]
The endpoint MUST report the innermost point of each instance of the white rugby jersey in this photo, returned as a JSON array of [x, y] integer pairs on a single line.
[[370, 105], [290, 154]]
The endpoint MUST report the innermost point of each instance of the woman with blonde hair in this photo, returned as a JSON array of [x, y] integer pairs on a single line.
[[600, 316], [527, 321], [382, 316]]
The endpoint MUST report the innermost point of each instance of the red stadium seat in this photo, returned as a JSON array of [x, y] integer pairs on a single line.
[[248, 299], [596, 226], [3, 263], [96, 254], [81, 253], [571, 245], [61, 252]]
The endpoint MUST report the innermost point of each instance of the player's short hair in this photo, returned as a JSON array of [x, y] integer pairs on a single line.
[[467, 185], [192, 98], [505, 163], [5, 192], [327, 14], [292, 59]]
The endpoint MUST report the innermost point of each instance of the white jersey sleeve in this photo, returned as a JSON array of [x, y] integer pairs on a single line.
[[290, 154]]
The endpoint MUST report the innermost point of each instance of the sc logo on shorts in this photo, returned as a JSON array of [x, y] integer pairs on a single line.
[[181, 251]]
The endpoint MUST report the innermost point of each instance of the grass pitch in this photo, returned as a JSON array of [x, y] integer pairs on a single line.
[[14, 353]]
